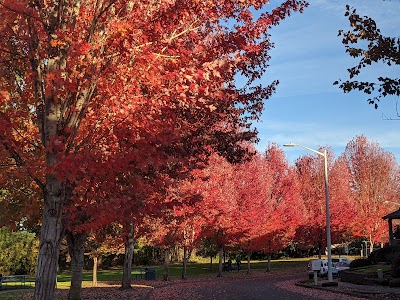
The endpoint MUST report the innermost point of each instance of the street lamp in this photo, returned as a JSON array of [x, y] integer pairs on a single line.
[[328, 216]]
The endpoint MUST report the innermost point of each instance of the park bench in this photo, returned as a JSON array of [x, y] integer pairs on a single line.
[[226, 267], [146, 273], [139, 274], [15, 281]]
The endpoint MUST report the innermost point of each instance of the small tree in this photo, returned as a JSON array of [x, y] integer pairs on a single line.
[[18, 252], [208, 249]]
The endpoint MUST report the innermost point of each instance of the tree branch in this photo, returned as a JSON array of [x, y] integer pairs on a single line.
[[20, 162]]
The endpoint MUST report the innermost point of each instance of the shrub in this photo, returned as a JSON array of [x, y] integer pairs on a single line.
[[18, 252], [358, 263], [394, 282], [384, 254]]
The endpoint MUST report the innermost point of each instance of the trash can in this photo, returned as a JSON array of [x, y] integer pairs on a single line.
[[150, 274]]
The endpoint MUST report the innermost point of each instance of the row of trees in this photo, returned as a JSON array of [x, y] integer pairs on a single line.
[[261, 204], [363, 186], [265, 203]]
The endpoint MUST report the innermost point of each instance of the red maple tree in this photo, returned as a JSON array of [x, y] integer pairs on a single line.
[[86, 74], [310, 174], [374, 185], [280, 210]]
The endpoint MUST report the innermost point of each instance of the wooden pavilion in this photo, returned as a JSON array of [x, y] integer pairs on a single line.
[[393, 238]]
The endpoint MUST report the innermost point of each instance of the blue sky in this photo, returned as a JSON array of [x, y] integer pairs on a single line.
[[308, 57]]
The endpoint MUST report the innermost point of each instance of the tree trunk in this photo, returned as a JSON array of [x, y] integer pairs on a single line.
[[269, 263], [319, 250], [51, 234], [175, 254], [184, 262], [189, 255], [248, 262], [221, 255], [76, 248], [371, 247], [129, 245], [95, 265], [166, 264], [211, 262]]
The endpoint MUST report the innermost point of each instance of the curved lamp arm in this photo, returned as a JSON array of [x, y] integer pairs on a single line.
[[298, 145]]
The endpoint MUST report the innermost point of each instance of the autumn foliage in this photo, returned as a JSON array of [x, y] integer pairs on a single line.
[[124, 94], [374, 185]]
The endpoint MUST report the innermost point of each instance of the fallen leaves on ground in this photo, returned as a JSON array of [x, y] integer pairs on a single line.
[[290, 285], [188, 289]]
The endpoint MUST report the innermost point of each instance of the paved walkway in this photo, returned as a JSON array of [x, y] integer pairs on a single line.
[[264, 286], [256, 286], [364, 291]]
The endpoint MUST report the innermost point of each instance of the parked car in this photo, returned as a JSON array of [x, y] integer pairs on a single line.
[[341, 266], [323, 270], [340, 259]]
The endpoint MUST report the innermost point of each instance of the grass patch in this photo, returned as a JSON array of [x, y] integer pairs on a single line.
[[175, 270], [29, 282], [12, 295], [279, 264], [371, 269]]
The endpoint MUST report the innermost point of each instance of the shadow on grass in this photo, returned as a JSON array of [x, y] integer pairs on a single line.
[[109, 280], [193, 269], [102, 292]]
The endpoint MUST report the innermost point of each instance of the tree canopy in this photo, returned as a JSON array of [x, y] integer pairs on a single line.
[[373, 47], [96, 92]]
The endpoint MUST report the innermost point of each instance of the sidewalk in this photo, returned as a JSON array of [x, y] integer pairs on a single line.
[[364, 291]]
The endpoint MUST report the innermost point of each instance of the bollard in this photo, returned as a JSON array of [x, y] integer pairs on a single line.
[[380, 273]]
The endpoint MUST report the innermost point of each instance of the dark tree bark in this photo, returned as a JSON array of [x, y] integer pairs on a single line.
[[319, 250], [127, 271], [269, 263], [76, 247], [221, 255], [248, 262], [52, 232], [166, 264], [184, 262]]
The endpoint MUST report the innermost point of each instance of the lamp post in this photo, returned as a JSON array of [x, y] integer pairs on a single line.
[[328, 216]]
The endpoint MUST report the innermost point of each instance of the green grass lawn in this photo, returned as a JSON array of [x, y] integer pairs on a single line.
[[372, 269], [175, 270], [12, 295]]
